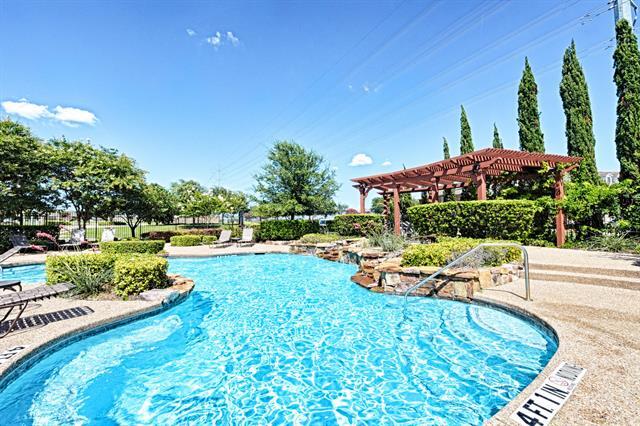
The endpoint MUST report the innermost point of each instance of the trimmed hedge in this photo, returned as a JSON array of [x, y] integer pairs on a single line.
[[319, 238], [186, 240], [132, 246], [358, 224], [133, 275], [159, 235], [6, 231], [209, 239], [500, 219], [57, 272], [447, 249], [202, 231], [280, 230]]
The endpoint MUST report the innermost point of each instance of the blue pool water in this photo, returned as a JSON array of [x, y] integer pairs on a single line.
[[27, 274], [284, 339]]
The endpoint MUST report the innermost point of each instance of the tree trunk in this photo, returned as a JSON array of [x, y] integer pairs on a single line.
[[133, 230]]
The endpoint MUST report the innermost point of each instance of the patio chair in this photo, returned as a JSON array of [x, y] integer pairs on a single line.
[[108, 235], [20, 242], [20, 300], [76, 241], [247, 237], [224, 240]]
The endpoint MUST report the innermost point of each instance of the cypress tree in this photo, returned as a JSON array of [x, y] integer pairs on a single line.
[[497, 142], [626, 63], [531, 138], [447, 194], [579, 123], [466, 143]]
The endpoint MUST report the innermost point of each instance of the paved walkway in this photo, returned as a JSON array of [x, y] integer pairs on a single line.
[[583, 258], [599, 329]]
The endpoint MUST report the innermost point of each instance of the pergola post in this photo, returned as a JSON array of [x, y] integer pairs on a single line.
[[559, 195], [363, 198], [481, 184], [396, 210]]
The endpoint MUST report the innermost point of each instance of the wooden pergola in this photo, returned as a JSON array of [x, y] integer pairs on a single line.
[[465, 170]]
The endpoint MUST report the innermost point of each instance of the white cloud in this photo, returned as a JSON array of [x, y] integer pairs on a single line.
[[232, 38], [71, 116], [386, 163], [361, 160], [191, 32], [366, 88], [66, 115], [215, 40], [26, 109]]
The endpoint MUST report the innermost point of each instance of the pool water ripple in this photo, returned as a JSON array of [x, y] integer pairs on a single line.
[[283, 339]]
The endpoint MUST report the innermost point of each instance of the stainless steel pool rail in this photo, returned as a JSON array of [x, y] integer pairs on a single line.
[[477, 248]]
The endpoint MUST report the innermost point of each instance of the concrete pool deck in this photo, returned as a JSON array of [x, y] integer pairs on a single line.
[[598, 327]]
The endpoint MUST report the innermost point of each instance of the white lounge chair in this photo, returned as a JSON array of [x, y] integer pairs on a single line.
[[247, 237], [224, 240]]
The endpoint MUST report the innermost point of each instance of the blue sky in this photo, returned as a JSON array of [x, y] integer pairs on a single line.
[[200, 90]]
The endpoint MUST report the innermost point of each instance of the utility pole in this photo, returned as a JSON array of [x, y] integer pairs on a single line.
[[625, 9]]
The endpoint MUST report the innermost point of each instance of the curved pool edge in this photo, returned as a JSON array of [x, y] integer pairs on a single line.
[[27, 359], [33, 354], [502, 417]]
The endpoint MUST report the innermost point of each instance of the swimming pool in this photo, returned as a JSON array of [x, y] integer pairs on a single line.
[[285, 339]]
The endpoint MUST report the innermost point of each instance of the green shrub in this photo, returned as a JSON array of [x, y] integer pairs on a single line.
[[447, 249], [186, 240], [202, 231], [138, 273], [500, 219], [280, 230], [160, 235], [59, 269], [386, 240], [209, 239], [319, 238], [132, 246], [88, 280], [6, 231], [358, 224]]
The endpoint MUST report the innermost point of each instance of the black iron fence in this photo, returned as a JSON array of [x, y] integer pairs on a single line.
[[67, 222]]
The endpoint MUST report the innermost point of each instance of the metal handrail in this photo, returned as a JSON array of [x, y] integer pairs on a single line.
[[469, 253]]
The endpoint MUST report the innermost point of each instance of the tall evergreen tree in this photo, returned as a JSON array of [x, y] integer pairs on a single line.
[[579, 123], [531, 138], [447, 194], [626, 63], [497, 142], [445, 149], [466, 143]]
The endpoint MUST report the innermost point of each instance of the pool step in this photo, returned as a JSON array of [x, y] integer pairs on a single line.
[[605, 277]]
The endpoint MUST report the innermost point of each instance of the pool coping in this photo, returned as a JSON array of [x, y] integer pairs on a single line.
[[27, 359]]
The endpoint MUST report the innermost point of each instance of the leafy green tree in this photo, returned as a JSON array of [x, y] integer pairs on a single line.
[[91, 179], [466, 142], [193, 200], [25, 186], [377, 205], [296, 181], [579, 121], [626, 63], [497, 142], [531, 137], [143, 202], [230, 202]]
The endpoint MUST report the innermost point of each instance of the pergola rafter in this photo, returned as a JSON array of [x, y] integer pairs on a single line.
[[464, 170]]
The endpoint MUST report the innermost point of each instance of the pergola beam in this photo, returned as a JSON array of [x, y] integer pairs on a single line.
[[464, 170]]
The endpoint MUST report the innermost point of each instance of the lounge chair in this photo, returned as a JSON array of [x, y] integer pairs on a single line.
[[20, 242], [247, 237], [224, 240], [76, 241], [108, 235], [20, 300]]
